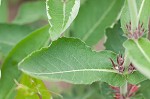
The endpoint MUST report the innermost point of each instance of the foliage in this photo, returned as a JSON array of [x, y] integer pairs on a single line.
[[4, 11], [140, 48], [115, 39], [94, 23], [23, 48], [31, 53], [26, 16], [31, 88], [96, 90]]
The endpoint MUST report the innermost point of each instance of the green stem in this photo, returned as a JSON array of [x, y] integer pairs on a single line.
[[133, 14], [124, 89], [134, 24], [126, 63], [149, 29]]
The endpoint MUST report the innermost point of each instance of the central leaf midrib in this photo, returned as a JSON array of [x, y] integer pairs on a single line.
[[73, 71], [99, 21]]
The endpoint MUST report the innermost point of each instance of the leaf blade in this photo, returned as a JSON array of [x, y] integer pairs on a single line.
[[4, 11], [140, 48], [143, 15], [90, 27], [115, 39], [23, 48], [59, 19], [80, 69], [32, 89], [27, 14], [135, 78], [9, 39]]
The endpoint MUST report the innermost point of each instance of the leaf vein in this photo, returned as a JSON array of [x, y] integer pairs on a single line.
[[70, 71]]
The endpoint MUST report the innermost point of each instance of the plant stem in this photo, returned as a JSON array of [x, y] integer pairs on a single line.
[[133, 14], [126, 63], [149, 29], [124, 89], [134, 24]]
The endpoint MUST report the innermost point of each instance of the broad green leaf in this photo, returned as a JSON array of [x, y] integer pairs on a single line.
[[9, 70], [135, 78], [31, 88], [115, 39], [10, 35], [144, 89], [139, 54], [4, 11], [94, 17], [125, 17], [70, 60], [30, 12], [114, 43], [96, 90], [143, 14], [60, 14]]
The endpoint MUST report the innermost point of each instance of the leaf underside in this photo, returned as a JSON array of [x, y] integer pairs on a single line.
[[139, 54], [60, 14]]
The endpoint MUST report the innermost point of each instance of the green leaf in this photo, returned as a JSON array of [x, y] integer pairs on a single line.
[[143, 14], [10, 71], [30, 12], [4, 11], [96, 90], [60, 14], [70, 60], [94, 17], [144, 89], [115, 39], [30, 88], [10, 35], [114, 43], [139, 54], [135, 78]]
